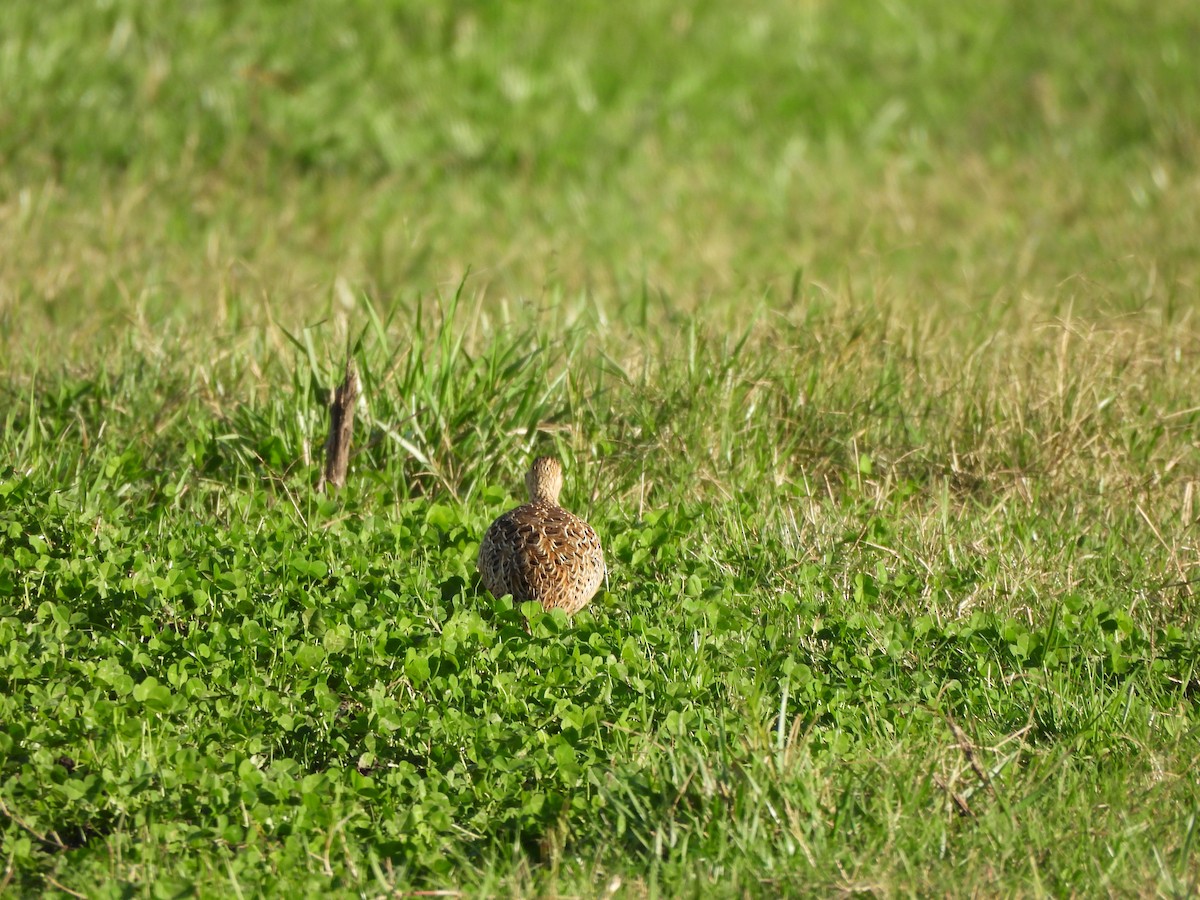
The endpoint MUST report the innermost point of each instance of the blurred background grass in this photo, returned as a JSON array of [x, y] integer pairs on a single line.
[[220, 163]]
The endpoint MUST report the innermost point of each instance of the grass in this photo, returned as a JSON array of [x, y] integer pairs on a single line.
[[866, 335]]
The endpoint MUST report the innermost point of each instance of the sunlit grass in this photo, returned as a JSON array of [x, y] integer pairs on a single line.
[[865, 334]]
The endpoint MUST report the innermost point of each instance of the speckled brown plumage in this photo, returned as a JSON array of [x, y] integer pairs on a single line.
[[540, 551]]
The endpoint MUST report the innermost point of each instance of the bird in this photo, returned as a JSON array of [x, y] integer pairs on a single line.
[[540, 551]]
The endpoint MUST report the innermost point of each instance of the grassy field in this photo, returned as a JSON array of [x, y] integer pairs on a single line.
[[866, 332]]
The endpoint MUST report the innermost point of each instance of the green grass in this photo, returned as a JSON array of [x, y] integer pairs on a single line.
[[865, 331]]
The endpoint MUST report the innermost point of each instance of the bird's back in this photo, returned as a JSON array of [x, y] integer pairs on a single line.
[[542, 552]]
